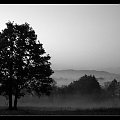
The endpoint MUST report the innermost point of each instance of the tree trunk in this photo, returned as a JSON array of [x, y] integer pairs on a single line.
[[15, 100], [10, 95], [15, 103], [10, 101]]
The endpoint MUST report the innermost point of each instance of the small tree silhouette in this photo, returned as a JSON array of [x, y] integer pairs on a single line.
[[23, 65], [112, 88]]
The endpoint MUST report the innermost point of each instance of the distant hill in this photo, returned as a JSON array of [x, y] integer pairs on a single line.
[[113, 70], [64, 77]]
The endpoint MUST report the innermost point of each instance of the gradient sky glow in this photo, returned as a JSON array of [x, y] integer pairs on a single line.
[[75, 36]]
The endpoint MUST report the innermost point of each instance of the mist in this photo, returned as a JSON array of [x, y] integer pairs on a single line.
[[72, 102]]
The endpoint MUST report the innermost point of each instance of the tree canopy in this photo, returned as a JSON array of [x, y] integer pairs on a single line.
[[86, 85], [24, 66]]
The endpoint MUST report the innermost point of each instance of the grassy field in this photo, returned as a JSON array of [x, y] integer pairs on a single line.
[[59, 111], [65, 106]]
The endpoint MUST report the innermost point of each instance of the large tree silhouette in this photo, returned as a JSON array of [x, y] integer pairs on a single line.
[[24, 66]]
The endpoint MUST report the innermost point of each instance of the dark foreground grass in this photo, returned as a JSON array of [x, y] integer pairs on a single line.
[[61, 111]]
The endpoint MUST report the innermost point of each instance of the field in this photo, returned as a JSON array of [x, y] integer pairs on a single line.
[[65, 106], [59, 111]]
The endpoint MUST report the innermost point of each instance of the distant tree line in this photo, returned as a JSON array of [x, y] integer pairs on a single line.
[[88, 85]]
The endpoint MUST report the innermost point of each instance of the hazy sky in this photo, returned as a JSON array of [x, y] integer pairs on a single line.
[[76, 36]]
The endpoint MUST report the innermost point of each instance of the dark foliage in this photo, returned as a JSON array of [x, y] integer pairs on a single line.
[[86, 85], [114, 88], [24, 67]]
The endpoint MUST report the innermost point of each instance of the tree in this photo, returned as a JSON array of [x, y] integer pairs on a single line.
[[85, 85], [112, 88], [24, 66], [91, 85]]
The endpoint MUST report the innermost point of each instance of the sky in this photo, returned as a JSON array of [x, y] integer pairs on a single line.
[[77, 36]]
